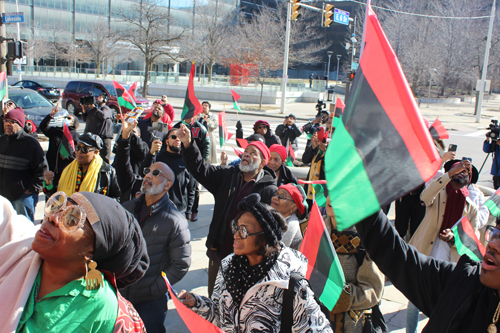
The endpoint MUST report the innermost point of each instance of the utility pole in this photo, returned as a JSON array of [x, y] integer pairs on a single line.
[[3, 50], [485, 64], [20, 76], [285, 60]]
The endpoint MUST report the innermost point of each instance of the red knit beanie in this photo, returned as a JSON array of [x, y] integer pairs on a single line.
[[276, 148], [263, 149], [16, 114], [298, 196]]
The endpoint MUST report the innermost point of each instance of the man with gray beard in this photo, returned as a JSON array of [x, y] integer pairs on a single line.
[[166, 233], [228, 185]]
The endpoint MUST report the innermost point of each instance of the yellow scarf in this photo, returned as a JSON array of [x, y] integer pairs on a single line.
[[67, 183]]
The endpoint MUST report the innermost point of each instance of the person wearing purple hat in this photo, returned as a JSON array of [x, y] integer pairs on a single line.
[[22, 163], [263, 128]]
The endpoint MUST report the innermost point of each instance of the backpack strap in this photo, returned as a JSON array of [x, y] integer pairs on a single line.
[[287, 305]]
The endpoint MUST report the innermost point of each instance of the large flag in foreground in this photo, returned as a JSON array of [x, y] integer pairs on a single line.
[[67, 143], [125, 100], [438, 131], [466, 240], [193, 321], [324, 271], [192, 105], [224, 135], [493, 203], [381, 148]]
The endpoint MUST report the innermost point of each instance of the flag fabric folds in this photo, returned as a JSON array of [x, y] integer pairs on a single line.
[[339, 109], [131, 91], [290, 156], [243, 142], [193, 321], [381, 148], [235, 97], [324, 271], [224, 135], [67, 147], [192, 106], [3, 85], [493, 203], [438, 131], [124, 98], [466, 240]]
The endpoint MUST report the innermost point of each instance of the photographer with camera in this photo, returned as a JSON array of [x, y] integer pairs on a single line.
[[492, 145], [99, 121]]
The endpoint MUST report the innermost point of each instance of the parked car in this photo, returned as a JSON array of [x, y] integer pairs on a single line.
[[35, 106], [76, 89], [45, 88]]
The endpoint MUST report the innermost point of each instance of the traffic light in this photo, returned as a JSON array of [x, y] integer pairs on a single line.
[[15, 50], [295, 9], [328, 13], [352, 75]]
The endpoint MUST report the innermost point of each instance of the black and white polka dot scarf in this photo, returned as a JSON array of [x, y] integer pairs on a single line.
[[240, 276]]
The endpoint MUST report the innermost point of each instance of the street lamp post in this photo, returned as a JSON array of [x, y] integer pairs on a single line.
[[328, 70], [431, 70], [338, 60]]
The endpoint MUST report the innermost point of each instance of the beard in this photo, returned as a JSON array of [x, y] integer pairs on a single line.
[[460, 179], [153, 189], [252, 167], [174, 149]]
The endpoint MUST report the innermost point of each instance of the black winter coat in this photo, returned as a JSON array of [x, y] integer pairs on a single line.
[[287, 134], [22, 163], [130, 183], [99, 121], [450, 294], [200, 134], [138, 152], [146, 135], [286, 176], [311, 155], [222, 182], [168, 241]]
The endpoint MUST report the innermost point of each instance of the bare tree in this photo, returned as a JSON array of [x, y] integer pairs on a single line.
[[147, 28], [36, 46], [74, 52], [261, 42], [100, 42], [59, 36]]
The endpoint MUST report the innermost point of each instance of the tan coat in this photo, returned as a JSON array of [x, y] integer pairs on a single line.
[[434, 196]]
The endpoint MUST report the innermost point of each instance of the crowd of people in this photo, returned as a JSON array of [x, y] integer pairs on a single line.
[[111, 229]]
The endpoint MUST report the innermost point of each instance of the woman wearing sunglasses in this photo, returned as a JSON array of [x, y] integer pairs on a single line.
[[63, 275], [263, 128], [457, 297], [290, 201], [88, 171], [251, 283]]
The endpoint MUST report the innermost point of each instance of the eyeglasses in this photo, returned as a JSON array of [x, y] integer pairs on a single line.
[[156, 172], [84, 149], [281, 196], [69, 218], [173, 137], [242, 230], [261, 127], [9, 121], [492, 233]]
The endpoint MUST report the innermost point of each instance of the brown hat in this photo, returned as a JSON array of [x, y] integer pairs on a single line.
[[16, 114]]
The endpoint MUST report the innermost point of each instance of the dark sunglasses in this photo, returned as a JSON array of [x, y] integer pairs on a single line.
[[242, 230], [155, 172], [281, 196], [261, 127], [83, 149], [173, 137], [492, 233]]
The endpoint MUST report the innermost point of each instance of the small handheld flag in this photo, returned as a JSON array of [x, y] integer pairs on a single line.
[[67, 143], [124, 98], [438, 131], [235, 97], [224, 135], [131, 90], [466, 240], [192, 106], [493, 203]]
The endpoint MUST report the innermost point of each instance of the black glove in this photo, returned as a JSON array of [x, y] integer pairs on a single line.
[[238, 125]]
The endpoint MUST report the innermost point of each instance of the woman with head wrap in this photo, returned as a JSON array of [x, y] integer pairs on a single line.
[[48, 273], [277, 163], [250, 285], [290, 201]]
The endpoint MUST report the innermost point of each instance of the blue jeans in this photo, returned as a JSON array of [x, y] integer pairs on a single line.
[[26, 204], [412, 316], [153, 314]]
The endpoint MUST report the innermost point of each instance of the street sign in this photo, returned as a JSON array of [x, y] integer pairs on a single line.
[[486, 85], [13, 17], [354, 66], [21, 61], [341, 16]]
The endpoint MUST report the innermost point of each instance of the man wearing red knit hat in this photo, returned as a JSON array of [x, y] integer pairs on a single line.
[[228, 185], [22, 164]]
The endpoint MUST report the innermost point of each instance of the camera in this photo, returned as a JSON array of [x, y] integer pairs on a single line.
[[494, 130], [87, 100], [320, 105]]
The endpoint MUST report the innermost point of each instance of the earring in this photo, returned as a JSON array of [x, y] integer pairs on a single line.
[[93, 278]]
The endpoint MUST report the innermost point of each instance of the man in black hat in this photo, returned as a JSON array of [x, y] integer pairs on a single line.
[[288, 132], [99, 121], [88, 172]]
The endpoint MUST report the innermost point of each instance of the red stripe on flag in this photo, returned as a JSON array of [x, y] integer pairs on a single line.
[[68, 136], [383, 73], [291, 152], [235, 95], [438, 126], [193, 321], [238, 153], [312, 238], [467, 228], [243, 143], [192, 97], [131, 90]]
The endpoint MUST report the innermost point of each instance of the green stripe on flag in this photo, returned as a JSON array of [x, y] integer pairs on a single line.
[[461, 248], [64, 152], [320, 194], [334, 285], [236, 106], [125, 104], [492, 204], [343, 161]]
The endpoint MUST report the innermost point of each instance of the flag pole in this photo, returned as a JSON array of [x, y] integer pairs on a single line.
[[368, 6], [224, 132]]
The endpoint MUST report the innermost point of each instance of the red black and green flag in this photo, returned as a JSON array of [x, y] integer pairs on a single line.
[[192, 105], [493, 203], [324, 271], [291, 154], [124, 98], [67, 143], [224, 135], [438, 131], [3, 85], [235, 97], [320, 191], [381, 148], [339, 109], [466, 240], [131, 91]]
